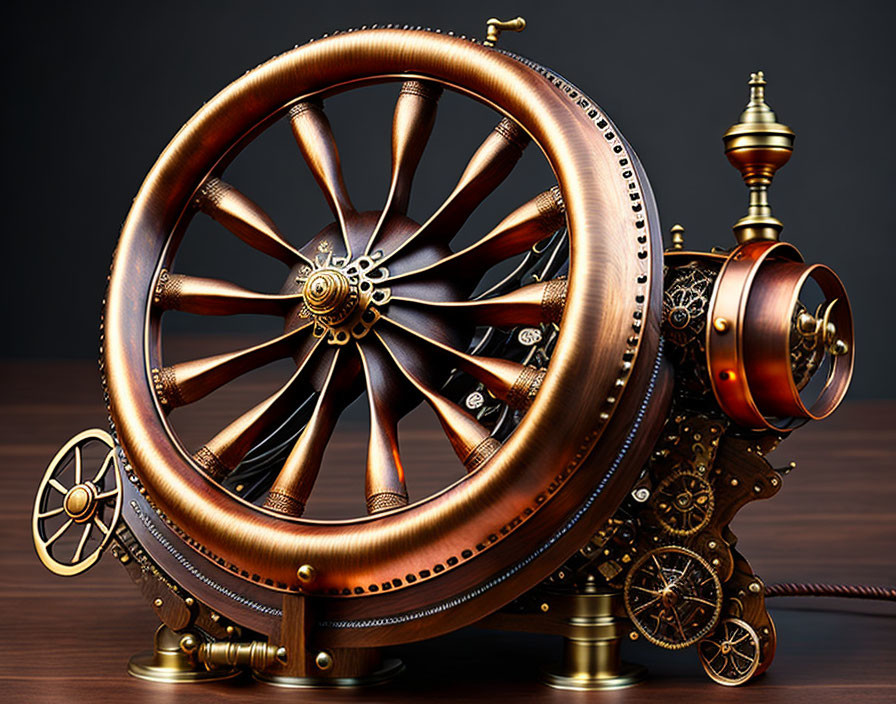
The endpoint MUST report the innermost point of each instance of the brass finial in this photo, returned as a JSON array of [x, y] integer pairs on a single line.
[[494, 27], [757, 146], [677, 233]]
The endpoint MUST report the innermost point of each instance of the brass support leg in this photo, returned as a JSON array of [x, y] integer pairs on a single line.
[[594, 627], [167, 662]]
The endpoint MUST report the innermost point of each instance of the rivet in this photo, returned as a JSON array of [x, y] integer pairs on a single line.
[[716, 562], [158, 603], [712, 544], [306, 574], [189, 601], [755, 588], [545, 607], [323, 660], [720, 325], [734, 482], [633, 635]]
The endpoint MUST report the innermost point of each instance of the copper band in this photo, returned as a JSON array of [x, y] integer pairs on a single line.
[[427, 91], [551, 208], [167, 293], [284, 503], [384, 501], [513, 133], [482, 453], [523, 391], [211, 193], [165, 383], [553, 300], [209, 461]]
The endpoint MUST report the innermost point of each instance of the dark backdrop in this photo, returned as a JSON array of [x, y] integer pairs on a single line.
[[93, 92]]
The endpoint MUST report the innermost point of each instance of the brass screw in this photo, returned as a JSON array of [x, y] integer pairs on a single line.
[[323, 660], [158, 603], [306, 574]]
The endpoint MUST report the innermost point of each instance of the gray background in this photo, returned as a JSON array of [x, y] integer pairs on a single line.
[[93, 92]]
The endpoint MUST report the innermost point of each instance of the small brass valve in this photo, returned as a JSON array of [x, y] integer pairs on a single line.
[[494, 27]]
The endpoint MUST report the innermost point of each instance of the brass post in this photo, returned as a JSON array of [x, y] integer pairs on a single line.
[[169, 662], [594, 626]]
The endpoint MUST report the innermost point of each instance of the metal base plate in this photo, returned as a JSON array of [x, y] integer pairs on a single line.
[[390, 669], [145, 666], [628, 675]]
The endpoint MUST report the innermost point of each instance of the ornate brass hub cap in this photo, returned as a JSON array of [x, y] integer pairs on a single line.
[[343, 297], [80, 502]]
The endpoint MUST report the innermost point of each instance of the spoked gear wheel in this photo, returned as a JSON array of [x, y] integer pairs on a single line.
[[683, 503], [86, 506], [673, 597], [377, 303], [731, 654]]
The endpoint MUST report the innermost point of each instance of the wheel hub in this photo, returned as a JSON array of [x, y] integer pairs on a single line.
[[80, 502], [343, 296]]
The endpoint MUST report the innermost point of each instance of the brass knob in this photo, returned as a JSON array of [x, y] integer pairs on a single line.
[[757, 146], [494, 27]]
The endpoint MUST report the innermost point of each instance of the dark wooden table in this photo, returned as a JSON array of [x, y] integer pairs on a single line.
[[68, 640]]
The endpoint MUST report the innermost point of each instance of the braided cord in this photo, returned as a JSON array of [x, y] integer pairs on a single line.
[[847, 591]]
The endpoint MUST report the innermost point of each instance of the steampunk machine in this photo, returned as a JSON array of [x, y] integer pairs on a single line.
[[611, 403]]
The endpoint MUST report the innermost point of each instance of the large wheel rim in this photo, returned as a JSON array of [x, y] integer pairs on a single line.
[[537, 482]]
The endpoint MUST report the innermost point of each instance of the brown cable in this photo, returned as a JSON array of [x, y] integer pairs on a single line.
[[847, 591]]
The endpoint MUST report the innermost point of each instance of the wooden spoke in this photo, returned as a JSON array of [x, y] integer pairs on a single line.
[[246, 220], [290, 490], [515, 384], [519, 231], [488, 167], [187, 382], [385, 487], [529, 305], [315, 138], [470, 440], [226, 450], [81, 543], [415, 114], [193, 294]]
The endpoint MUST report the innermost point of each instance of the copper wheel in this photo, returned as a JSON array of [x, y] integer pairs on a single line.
[[379, 304]]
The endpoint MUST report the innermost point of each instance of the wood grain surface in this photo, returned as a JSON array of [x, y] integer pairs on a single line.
[[68, 640]]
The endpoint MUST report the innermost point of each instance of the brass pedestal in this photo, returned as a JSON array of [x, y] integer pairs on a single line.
[[167, 662], [592, 630], [387, 670]]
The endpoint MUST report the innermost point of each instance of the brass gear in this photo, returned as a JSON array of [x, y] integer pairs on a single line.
[[673, 597], [683, 503]]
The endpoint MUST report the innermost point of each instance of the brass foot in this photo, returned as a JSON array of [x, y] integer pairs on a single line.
[[388, 670], [167, 662], [591, 641]]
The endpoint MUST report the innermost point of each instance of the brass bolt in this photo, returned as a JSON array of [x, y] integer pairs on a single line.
[[323, 660], [721, 325], [306, 574], [158, 603]]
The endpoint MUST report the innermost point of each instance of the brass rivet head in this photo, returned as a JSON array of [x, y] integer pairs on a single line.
[[755, 587], [545, 607], [306, 574], [323, 660], [80, 502], [158, 603], [720, 325]]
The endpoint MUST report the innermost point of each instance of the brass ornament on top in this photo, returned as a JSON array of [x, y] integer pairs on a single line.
[[553, 526]]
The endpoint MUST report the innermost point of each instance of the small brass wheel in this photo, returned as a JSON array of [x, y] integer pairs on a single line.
[[684, 503], [730, 656], [673, 597], [78, 504]]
